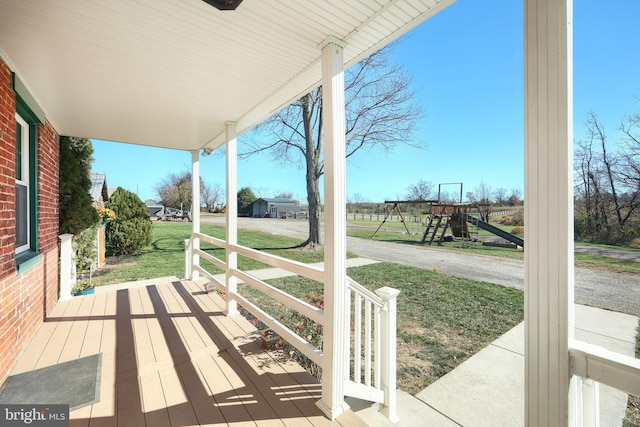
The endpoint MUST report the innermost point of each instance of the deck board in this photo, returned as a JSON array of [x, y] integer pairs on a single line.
[[244, 369], [153, 401], [93, 335], [171, 358], [226, 398]]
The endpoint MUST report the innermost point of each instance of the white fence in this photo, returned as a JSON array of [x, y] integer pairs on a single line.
[[373, 376]]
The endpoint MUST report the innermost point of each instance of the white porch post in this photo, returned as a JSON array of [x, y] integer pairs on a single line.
[[231, 306], [66, 261], [388, 352], [548, 212], [335, 345], [195, 210]]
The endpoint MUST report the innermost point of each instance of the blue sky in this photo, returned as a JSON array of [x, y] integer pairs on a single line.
[[467, 69]]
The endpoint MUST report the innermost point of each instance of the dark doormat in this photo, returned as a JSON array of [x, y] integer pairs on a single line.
[[76, 383]]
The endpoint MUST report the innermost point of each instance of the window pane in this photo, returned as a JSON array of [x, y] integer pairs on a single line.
[[18, 151], [22, 216]]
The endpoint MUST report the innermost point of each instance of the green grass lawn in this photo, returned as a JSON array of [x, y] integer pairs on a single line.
[[442, 320], [165, 255]]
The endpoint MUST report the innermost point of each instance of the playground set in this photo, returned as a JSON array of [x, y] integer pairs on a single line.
[[454, 216]]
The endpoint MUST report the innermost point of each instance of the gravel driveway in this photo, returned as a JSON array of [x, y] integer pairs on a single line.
[[593, 287]]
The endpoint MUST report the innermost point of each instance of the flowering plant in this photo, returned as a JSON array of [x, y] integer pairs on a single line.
[[106, 214]]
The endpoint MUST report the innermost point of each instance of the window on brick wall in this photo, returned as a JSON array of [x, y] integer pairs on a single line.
[[23, 210], [28, 116]]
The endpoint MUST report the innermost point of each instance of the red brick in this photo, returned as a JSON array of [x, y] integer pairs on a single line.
[[26, 298]]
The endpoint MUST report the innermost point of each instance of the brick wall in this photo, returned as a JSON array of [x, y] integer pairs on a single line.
[[7, 174], [26, 298]]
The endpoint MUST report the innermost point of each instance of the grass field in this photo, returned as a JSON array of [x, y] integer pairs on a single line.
[[165, 255], [442, 320]]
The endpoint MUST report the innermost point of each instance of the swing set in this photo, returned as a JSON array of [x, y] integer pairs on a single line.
[[442, 216], [396, 207]]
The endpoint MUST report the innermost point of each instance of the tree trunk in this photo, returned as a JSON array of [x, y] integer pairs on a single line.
[[607, 164], [314, 171], [313, 198]]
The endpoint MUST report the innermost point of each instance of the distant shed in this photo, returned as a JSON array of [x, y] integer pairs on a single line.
[[273, 208]]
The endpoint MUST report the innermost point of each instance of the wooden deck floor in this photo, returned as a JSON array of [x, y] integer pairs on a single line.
[[171, 358]]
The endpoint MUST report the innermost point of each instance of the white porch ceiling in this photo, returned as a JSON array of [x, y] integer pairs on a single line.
[[170, 73]]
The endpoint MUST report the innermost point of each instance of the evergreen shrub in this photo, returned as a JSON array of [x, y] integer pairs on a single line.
[[84, 247], [131, 228]]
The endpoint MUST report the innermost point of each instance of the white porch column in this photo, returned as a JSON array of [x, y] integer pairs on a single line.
[[231, 306], [548, 211], [335, 345], [195, 209], [66, 261]]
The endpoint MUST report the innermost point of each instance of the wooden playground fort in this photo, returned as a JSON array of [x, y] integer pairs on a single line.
[[444, 216]]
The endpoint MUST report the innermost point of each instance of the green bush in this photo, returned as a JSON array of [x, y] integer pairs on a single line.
[[76, 210], [131, 229], [84, 246]]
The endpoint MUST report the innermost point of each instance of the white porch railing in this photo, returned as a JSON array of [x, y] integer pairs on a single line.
[[594, 365], [373, 375]]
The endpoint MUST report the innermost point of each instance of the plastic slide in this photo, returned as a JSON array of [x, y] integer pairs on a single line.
[[492, 229]]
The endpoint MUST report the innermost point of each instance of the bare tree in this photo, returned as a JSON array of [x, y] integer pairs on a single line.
[[629, 170], [607, 183], [482, 199], [515, 199], [211, 195], [597, 132], [175, 190], [380, 112], [284, 195], [589, 194], [500, 196], [422, 190], [356, 202]]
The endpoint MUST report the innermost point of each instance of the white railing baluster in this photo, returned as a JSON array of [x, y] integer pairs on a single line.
[[377, 341], [367, 343], [188, 258], [589, 402], [357, 352]]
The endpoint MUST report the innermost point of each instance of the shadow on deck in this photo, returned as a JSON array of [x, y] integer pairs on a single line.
[[171, 358]]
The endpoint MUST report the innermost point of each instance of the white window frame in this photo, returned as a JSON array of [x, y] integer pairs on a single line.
[[24, 139]]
